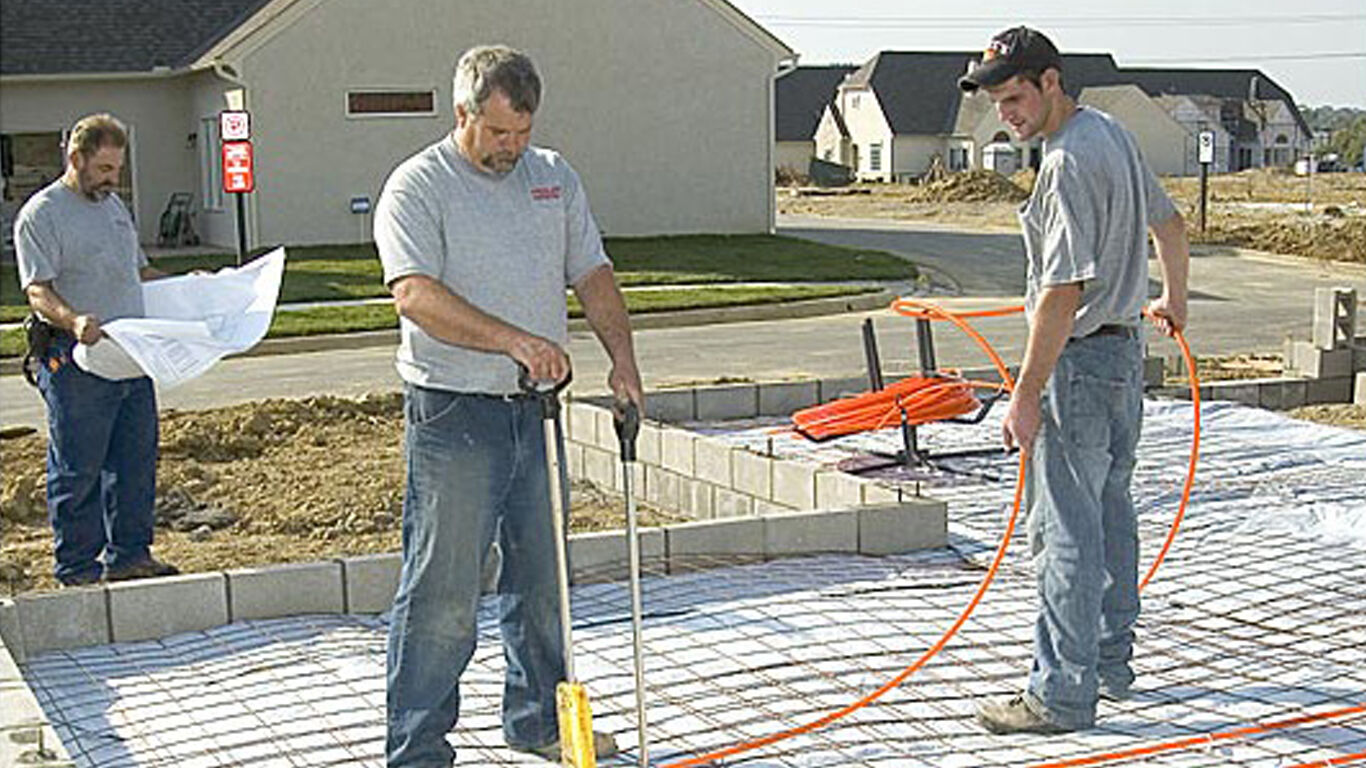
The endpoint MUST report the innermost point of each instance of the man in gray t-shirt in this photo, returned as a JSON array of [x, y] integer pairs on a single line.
[[80, 265], [1077, 405], [479, 235]]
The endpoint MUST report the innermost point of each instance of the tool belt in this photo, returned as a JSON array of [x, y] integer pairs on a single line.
[[41, 337]]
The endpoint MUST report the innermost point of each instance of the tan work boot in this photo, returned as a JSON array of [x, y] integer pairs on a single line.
[[1015, 716]]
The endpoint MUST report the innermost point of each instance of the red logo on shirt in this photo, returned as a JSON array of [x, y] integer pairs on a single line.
[[545, 193]]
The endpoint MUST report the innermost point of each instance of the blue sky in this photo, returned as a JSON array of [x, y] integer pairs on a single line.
[[1298, 44]]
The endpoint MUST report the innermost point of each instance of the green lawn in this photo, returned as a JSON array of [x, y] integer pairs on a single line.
[[376, 317]]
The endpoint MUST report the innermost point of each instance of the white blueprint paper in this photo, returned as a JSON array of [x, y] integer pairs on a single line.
[[192, 321]]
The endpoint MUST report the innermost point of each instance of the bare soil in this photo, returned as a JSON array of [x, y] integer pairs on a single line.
[[1266, 210], [267, 482]]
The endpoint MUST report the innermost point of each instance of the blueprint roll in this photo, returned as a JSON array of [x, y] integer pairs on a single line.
[[106, 359]]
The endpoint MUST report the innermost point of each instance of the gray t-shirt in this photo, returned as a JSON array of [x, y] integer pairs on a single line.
[[508, 244], [87, 249], [1087, 220]]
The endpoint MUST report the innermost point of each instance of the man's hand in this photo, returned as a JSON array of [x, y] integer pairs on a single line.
[[543, 358], [86, 329], [1167, 315], [625, 383], [1022, 422]]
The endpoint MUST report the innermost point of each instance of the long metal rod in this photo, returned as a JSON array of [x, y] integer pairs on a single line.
[[637, 611], [552, 455]]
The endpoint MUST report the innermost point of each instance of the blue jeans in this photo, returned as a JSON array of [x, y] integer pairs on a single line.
[[1082, 526], [476, 470], [101, 466]]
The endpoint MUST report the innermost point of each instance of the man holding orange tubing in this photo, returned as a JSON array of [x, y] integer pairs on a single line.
[[1078, 402]]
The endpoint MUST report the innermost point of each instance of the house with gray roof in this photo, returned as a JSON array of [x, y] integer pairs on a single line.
[[894, 115], [802, 96], [341, 91]]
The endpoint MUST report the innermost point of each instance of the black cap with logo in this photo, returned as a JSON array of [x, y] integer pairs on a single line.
[[1011, 52]]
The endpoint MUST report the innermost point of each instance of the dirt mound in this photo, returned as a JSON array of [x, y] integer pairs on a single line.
[[976, 186], [1332, 238], [268, 482]]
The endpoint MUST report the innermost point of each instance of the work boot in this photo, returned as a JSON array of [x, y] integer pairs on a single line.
[[1015, 716], [81, 580], [1115, 691], [142, 569], [604, 745]]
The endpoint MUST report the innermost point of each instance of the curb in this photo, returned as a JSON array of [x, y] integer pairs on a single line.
[[781, 311]]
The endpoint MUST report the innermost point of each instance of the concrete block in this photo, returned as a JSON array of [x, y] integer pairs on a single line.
[[803, 533], [836, 490], [1235, 391], [728, 503], [783, 397], [648, 444], [606, 426], [752, 474], [637, 479], [1359, 393], [599, 467], [727, 401], [28, 739], [887, 529], [580, 424], [276, 591], [573, 457], [663, 488], [1307, 359], [602, 555], [835, 388], [764, 507], [695, 499], [1334, 390], [671, 405], [712, 460], [693, 546], [1154, 371], [1282, 394], [676, 451], [875, 494], [794, 484], [153, 608], [11, 633], [1335, 318], [371, 581], [57, 621]]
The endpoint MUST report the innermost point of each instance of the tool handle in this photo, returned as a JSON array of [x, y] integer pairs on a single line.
[[628, 426], [547, 392]]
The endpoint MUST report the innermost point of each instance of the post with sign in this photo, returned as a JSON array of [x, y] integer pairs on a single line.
[[239, 177], [1205, 154]]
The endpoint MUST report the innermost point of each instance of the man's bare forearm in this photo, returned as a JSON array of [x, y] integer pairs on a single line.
[[605, 310], [450, 318], [44, 300]]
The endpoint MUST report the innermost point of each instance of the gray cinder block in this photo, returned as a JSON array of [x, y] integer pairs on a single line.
[[11, 633], [1154, 371], [1235, 391], [712, 461], [727, 401], [794, 484], [150, 608], [784, 397], [846, 386], [371, 581], [887, 529], [1283, 393], [602, 555], [647, 444], [676, 451], [580, 423], [838, 490], [285, 590], [671, 405], [1334, 390], [692, 546], [752, 474], [1335, 318], [728, 503], [1359, 396], [54, 621], [1307, 359], [803, 533]]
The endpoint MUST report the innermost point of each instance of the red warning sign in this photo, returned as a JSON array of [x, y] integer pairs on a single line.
[[238, 175]]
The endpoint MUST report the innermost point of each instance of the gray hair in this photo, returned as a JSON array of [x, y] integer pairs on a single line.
[[488, 68], [94, 131]]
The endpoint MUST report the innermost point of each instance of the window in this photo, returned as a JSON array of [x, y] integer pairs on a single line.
[[210, 174], [958, 158], [390, 103], [875, 156]]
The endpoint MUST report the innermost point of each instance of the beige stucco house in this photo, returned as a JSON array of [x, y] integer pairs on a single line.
[[802, 97], [639, 96]]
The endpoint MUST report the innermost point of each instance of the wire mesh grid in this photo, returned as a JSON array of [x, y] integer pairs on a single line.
[[1255, 617]]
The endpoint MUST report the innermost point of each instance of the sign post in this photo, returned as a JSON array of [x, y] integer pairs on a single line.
[[239, 176], [1205, 154]]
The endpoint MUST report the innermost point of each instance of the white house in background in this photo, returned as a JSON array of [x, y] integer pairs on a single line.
[[640, 94], [802, 97], [893, 116]]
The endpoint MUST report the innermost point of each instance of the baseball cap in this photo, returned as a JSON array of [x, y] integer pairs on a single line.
[[1011, 52]]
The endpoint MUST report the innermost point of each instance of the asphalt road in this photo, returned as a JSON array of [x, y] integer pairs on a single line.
[[1242, 302]]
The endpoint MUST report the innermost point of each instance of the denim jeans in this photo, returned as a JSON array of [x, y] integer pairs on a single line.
[[1082, 527], [101, 466], [476, 470]]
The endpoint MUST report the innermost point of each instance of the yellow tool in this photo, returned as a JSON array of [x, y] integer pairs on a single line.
[[571, 700]]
